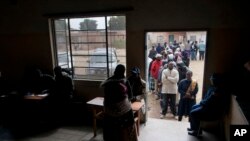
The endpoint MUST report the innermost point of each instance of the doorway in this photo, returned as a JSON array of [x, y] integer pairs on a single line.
[[175, 41]]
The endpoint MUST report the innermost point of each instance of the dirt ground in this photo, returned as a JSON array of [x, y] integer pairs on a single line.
[[154, 105]]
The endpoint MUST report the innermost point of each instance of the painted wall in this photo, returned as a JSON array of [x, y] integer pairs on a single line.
[[25, 37]]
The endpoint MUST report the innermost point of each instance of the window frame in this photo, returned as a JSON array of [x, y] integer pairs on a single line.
[[69, 46]]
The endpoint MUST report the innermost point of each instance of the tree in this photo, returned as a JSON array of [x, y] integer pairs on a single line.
[[117, 23], [61, 24], [88, 24]]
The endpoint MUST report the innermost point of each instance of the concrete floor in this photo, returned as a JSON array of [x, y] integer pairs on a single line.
[[170, 130], [153, 130]]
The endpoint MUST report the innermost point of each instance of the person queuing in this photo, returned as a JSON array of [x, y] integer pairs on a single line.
[[170, 77], [188, 89]]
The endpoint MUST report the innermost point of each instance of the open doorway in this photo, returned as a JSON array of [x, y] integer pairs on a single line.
[[186, 46]]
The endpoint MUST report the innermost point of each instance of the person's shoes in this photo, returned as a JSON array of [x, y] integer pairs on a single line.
[[157, 98], [194, 133], [162, 116], [189, 129], [179, 118], [176, 117]]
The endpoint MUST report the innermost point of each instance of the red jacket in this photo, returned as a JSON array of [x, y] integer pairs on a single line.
[[155, 68]]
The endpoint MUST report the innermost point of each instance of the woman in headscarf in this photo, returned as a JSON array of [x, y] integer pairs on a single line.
[[138, 86], [118, 115]]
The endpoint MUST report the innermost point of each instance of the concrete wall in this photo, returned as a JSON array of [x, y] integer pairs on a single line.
[[234, 117]]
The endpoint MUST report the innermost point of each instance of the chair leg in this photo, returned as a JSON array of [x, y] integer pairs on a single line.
[[135, 126], [199, 132]]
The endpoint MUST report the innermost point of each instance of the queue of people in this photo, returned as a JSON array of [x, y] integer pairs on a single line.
[[167, 70], [170, 80], [170, 85]]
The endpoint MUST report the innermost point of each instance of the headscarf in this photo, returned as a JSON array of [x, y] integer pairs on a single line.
[[119, 72], [135, 70]]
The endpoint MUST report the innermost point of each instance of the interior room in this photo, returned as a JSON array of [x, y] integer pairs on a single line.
[[44, 34]]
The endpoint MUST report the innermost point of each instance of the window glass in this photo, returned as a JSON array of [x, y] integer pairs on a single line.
[[90, 47]]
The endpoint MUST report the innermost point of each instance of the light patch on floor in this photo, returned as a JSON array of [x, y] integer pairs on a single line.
[[170, 130]]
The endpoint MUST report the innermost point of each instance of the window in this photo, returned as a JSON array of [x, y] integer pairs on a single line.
[[90, 47], [171, 39], [160, 39], [193, 38]]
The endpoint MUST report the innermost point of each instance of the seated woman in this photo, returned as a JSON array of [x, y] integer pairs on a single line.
[[64, 85], [212, 107], [118, 114], [36, 82]]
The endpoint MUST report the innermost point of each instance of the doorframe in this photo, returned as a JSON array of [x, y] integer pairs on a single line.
[[147, 47]]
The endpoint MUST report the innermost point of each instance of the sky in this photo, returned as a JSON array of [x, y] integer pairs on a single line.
[[74, 23]]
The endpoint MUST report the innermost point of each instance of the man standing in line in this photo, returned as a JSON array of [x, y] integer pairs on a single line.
[[202, 48], [188, 89], [155, 70], [152, 53], [170, 77]]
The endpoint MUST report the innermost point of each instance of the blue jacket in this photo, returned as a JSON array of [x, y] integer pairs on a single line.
[[215, 101]]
